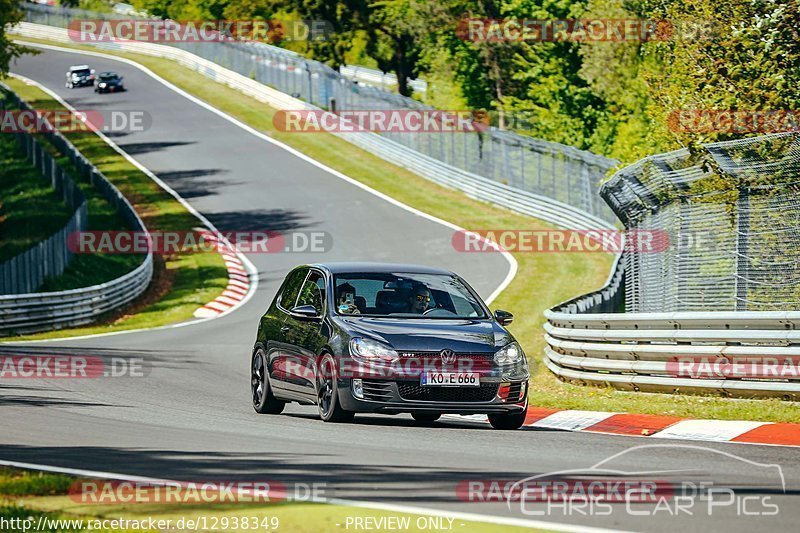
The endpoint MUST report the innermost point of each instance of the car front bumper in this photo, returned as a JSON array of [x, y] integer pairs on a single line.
[[391, 396]]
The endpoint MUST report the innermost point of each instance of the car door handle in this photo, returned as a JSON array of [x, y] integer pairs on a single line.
[[284, 329]]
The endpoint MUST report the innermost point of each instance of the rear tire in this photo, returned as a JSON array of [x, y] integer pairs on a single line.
[[330, 410], [508, 421], [426, 418], [264, 402]]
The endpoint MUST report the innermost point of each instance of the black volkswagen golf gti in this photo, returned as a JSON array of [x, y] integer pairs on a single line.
[[382, 338]]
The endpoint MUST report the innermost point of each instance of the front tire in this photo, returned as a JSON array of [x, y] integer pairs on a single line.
[[330, 410], [508, 421], [264, 402]]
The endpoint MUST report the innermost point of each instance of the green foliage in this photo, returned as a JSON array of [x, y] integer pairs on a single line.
[[10, 14], [614, 98], [751, 62]]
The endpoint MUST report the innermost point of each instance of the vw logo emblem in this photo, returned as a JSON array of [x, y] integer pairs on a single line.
[[448, 357]]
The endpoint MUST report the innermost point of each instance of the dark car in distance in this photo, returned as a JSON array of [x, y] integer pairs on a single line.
[[385, 338], [109, 82]]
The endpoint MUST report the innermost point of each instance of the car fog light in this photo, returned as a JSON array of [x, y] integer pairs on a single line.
[[358, 388]]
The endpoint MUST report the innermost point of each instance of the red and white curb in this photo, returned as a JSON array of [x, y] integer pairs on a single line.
[[659, 427], [238, 285]]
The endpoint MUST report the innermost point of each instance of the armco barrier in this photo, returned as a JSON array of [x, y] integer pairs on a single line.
[[31, 312], [591, 344], [643, 351], [475, 186]]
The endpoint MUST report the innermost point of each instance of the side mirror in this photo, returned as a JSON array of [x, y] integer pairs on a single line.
[[91, 71], [504, 318], [305, 312], [121, 78]]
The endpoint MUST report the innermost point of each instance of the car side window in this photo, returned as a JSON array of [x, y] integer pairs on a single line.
[[292, 288], [313, 291]]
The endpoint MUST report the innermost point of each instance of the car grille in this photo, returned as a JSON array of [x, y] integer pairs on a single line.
[[377, 391], [410, 390], [466, 362], [437, 355]]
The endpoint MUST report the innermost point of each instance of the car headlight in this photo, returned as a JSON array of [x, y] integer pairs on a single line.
[[372, 351], [102, 85], [509, 354]]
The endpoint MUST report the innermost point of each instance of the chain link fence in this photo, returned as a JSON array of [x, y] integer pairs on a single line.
[[553, 170], [732, 214]]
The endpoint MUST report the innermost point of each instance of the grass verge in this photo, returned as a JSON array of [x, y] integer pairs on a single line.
[[543, 279], [34, 495], [30, 210], [182, 282], [35, 212]]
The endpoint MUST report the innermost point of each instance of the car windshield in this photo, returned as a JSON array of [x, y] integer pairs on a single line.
[[405, 295], [107, 76], [82, 72]]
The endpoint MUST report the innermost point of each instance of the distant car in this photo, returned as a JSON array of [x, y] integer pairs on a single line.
[[109, 82], [380, 338], [80, 76]]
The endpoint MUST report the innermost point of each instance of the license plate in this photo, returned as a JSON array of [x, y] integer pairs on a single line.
[[450, 379]]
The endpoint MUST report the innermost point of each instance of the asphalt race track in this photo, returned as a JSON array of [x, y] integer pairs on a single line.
[[190, 418]]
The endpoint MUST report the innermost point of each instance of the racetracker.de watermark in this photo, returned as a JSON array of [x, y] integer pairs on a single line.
[[588, 30], [380, 120], [733, 121], [71, 367], [735, 367], [173, 242], [65, 121], [197, 31], [601, 240], [115, 492]]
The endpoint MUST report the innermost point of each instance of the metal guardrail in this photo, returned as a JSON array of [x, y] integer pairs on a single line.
[[645, 351], [558, 185], [676, 351], [31, 312], [387, 80]]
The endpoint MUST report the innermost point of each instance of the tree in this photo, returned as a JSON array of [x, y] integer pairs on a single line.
[[393, 29], [10, 14], [749, 60]]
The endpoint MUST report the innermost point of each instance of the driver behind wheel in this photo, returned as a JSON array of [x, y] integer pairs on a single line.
[[419, 300]]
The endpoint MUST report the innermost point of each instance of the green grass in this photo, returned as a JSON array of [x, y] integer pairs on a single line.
[[182, 282], [33, 494], [33, 212], [30, 210], [543, 279]]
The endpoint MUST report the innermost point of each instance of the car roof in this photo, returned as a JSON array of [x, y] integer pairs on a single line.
[[109, 73], [79, 67], [369, 267]]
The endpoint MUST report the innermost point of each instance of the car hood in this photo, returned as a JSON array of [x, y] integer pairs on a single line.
[[409, 334]]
